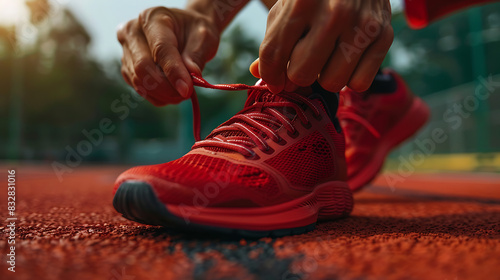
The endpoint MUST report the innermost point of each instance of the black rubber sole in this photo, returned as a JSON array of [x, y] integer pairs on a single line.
[[137, 201]]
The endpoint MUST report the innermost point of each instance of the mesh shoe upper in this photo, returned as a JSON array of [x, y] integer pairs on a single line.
[[279, 147]]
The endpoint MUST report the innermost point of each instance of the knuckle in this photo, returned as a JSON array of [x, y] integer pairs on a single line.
[[204, 32], [124, 31], [166, 20], [120, 36], [144, 17], [140, 67], [155, 16], [207, 35], [338, 15], [158, 51], [147, 15]]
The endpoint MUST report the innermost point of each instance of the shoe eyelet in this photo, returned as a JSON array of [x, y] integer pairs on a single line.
[[268, 151], [294, 134], [253, 157], [281, 142], [307, 125]]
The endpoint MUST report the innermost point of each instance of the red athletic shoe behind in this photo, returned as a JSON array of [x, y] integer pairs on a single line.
[[274, 168], [374, 124], [420, 13]]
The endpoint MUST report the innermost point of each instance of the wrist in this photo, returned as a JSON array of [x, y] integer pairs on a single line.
[[219, 12]]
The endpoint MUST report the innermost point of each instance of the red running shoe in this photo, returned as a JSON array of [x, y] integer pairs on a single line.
[[273, 169], [374, 124]]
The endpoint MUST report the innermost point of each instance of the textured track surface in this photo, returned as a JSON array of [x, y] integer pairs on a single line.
[[430, 226]]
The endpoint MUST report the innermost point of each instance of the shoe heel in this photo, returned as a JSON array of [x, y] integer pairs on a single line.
[[335, 200]]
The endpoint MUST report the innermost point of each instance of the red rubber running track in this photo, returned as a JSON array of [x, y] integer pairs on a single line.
[[431, 226]]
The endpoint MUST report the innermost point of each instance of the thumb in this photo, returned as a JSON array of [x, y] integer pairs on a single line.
[[254, 69], [197, 53], [192, 65]]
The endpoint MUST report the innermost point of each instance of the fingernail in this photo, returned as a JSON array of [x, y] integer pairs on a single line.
[[182, 88]]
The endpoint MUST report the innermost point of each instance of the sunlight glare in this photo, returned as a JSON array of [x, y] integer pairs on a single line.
[[13, 12]]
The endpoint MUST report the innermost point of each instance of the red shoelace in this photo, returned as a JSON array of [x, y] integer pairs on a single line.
[[256, 122]]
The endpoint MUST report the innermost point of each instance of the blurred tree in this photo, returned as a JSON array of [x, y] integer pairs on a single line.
[[6, 61], [448, 57], [440, 56], [65, 90], [39, 10]]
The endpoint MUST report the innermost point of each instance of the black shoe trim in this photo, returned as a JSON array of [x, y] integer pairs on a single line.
[[136, 201]]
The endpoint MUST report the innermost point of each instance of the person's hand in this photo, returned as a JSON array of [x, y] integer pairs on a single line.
[[160, 50], [337, 42]]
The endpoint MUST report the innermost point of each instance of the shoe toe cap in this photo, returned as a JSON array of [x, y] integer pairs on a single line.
[[167, 191]]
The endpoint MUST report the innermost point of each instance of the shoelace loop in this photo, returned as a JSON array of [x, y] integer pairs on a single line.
[[248, 121]]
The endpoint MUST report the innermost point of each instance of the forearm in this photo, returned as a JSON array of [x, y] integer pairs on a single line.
[[221, 12]]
